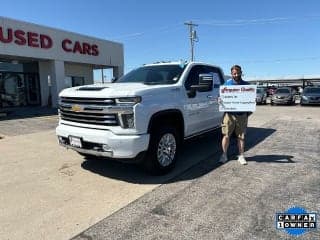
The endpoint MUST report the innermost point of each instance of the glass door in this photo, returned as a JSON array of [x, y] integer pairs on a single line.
[[12, 90], [32, 88]]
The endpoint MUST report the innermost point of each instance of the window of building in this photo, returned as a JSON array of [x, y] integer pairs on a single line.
[[71, 81]]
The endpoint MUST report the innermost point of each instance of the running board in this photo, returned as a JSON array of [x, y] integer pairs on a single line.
[[202, 132]]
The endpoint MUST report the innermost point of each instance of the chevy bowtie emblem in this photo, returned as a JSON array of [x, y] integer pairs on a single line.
[[76, 108]]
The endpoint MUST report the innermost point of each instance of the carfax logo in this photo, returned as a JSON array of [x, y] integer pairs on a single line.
[[296, 221]]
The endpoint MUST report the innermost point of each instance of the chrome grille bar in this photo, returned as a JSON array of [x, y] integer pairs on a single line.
[[97, 111]]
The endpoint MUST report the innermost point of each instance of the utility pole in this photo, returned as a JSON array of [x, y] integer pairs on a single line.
[[193, 37]]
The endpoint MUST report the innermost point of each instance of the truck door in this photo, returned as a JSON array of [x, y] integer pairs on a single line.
[[216, 116], [202, 112]]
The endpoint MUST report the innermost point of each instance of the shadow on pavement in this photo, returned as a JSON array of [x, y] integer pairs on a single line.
[[272, 158], [27, 112], [201, 155]]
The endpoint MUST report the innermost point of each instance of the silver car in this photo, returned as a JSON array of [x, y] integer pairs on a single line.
[[283, 95], [261, 97], [310, 95]]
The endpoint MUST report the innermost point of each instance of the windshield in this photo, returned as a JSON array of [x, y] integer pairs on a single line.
[[283, 90], [157, 74], [312, 90]]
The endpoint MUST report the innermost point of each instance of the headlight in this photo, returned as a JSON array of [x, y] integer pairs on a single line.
[[304, 98], [128, 100]]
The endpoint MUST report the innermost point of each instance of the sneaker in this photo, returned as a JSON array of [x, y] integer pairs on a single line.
[[223, 158], [242, 160]]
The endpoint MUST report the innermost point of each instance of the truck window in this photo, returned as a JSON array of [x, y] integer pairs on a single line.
[[217, 75], [193, 77]]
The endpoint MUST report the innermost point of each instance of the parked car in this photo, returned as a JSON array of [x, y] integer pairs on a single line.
[[261, 96], [283, 95], [310, 95]]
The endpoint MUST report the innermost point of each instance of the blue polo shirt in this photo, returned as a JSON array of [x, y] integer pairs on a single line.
[[233, 82]]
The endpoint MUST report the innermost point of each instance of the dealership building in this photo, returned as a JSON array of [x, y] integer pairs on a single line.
[[37, 62]]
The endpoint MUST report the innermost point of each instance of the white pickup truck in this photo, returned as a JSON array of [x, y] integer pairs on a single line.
[[143, 116]]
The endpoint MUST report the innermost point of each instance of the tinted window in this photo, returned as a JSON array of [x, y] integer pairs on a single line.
[[217, 75], [193, 76]]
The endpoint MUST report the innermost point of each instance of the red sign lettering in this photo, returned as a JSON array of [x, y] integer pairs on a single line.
[[20, 39], [45, 41], [8, 38], [78, 47], [38, 40], [66, 45], [94, 50], [33, 39]]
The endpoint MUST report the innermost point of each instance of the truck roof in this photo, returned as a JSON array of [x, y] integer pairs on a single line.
[[178, 63]]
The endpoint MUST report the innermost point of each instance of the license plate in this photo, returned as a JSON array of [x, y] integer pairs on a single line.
[[75, 142]]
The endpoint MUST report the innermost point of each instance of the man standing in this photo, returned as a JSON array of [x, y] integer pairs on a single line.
[[234, 121]]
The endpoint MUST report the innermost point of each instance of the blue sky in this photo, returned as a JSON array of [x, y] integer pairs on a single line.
[[267, 38]]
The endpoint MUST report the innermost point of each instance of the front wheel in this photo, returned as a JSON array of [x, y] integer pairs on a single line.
[[163, 150]]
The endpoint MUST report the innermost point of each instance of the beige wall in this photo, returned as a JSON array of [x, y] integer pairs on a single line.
[[79, 70]]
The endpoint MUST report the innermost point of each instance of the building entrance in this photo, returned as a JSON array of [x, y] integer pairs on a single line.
[[19, 89]]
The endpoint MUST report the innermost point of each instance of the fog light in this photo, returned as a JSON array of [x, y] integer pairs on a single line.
[[61, 140], [105, 147]]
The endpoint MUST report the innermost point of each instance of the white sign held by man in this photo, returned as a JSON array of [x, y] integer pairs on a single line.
[[237, 98]]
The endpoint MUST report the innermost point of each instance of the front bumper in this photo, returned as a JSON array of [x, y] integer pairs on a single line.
[[282, 101], [103, 143], [310, 101], [260, 100]]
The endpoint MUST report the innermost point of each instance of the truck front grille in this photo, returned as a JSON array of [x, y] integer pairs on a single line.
[[88, 110]]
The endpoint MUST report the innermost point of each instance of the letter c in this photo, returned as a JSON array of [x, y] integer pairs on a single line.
[[66, 42]]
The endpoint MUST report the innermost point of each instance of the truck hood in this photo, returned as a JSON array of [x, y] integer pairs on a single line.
[[110, 90]]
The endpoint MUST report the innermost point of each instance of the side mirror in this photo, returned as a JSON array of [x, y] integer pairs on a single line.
[[205, 85]]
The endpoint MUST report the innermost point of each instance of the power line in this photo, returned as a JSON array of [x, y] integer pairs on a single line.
[[255, 21]]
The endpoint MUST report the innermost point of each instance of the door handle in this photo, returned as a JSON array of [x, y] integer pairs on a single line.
[[209, 96]]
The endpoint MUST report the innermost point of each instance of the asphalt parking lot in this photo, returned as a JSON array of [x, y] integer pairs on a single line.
[[51, 193]]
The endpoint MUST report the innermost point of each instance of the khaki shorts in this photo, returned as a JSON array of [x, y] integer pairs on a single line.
[[234, 123]]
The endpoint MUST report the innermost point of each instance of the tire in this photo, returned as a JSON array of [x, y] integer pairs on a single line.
[[163, 150]]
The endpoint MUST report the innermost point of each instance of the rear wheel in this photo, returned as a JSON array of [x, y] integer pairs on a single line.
[[163, 150]]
